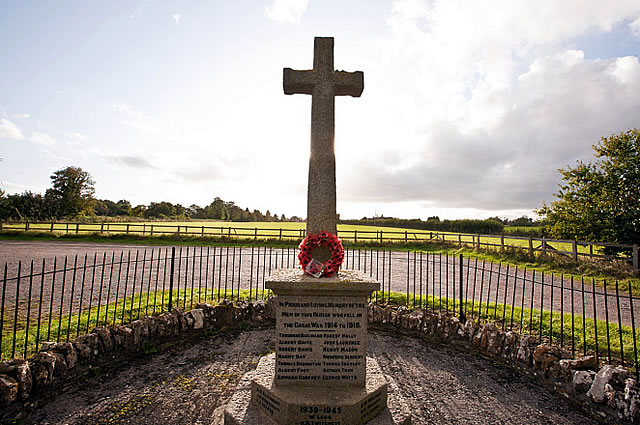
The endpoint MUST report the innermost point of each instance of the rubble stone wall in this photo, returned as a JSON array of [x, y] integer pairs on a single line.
[[610, 392]]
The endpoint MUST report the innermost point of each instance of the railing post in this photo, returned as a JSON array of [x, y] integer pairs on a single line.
[[173, 262], [574, 248], [463, 319], [636, 269]]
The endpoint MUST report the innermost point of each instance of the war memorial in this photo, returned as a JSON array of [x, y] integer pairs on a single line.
[[320, 373]]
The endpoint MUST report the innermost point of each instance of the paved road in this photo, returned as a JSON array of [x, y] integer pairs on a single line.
[[191, 384]]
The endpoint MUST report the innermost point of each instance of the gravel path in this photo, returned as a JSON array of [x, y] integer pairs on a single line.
[[190, 384], [226, 269]]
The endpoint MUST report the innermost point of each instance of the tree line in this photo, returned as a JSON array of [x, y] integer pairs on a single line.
[[489, 225], [72, 197]]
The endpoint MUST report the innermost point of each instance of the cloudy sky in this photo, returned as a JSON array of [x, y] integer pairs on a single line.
[[469, 107]]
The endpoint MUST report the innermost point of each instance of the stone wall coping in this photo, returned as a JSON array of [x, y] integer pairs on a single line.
[[344, 283]]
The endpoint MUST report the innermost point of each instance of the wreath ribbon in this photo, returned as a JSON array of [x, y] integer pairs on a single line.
[[311, 242]]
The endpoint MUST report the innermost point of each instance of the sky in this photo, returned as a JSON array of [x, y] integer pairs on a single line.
[[469, 107]]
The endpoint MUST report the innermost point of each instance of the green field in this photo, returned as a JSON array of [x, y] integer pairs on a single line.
[[291, 231]]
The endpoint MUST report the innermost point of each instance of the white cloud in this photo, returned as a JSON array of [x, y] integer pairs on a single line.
[[75, 138], [286, 11], [635, 27], [487, 101], [20, 116], [9, 130], [547, 119], [177, 17], [42, 139], [128, 110]]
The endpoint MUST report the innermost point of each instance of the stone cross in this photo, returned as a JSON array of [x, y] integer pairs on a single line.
[[323, 83]]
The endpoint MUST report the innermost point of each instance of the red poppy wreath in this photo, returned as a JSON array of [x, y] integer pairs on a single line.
[[313, 267]]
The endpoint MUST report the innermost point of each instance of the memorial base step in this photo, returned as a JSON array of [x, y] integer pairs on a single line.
[[315, 405]]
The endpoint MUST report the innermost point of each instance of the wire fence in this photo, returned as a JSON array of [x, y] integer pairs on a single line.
[[533, 246], [56, 300]]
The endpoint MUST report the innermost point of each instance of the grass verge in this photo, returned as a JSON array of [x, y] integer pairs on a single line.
[[612, 342]]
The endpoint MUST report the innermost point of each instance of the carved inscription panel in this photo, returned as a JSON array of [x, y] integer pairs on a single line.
[[321, 340]]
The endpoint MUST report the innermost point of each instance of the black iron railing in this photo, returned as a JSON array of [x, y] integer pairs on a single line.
[[58, 299]]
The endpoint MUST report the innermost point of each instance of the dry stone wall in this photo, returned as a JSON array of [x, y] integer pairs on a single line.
[[24, 384], [610, 392]]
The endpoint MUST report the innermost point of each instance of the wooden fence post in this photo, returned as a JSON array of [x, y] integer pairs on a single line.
[[178, 229], [26, 226], [381, 237], [52, 221], [530, 246], [77, 227], [544, 246], [152, 230], [355, 236], [280, 236], [574, 248], [405, 237], [502, 242], [127, 231], [255, 233], [636, 269], [202, 232], [102, 227], [478, 242], [67, 228]]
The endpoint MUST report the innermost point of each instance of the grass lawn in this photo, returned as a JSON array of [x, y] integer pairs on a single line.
[[582, 334], [285, 230]]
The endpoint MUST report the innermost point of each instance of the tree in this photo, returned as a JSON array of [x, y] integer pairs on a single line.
[[72, 192], [600, 201]]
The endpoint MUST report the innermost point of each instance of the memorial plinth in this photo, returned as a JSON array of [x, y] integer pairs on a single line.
[[320, 372], [321, 328]]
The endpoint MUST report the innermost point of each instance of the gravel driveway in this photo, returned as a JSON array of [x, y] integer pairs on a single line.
[[190, 385]]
